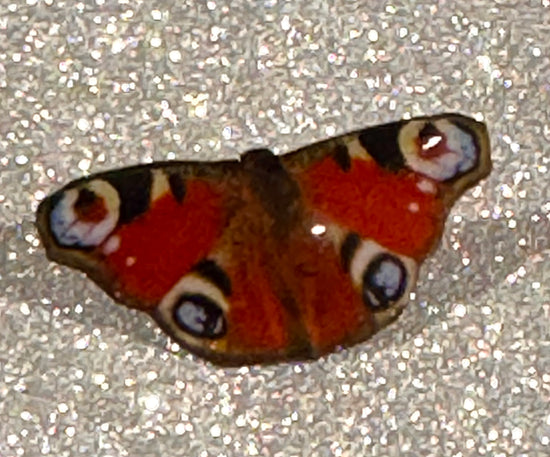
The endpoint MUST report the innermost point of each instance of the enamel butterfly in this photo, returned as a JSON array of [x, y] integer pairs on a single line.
[[271, 258]]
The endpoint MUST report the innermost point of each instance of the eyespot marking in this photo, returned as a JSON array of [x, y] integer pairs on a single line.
[[439, 149], [85, 216], [382, 278], [384, 281], [174, 319]]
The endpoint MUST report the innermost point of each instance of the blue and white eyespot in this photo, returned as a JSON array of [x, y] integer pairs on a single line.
[[195, 311], [84, 216], [383, 278], [438, 149]]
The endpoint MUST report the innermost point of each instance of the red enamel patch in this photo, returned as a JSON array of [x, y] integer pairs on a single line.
[[159, 247], [387, 207]]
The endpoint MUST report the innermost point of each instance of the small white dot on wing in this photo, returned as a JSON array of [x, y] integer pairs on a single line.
[[413, 207], [111, 245], [432, 142], [318, 229], [426, 186]]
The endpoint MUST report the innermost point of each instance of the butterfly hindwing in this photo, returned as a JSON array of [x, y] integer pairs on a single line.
[[271, 258]]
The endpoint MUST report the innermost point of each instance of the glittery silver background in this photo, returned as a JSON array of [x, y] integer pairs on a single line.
[[87, 86]]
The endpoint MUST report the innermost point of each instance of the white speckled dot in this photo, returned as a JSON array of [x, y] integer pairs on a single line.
[[469, 404], [21, 159], [12, 439], [83, 124], [156, 42], [174, 56], [98, 378], [151, 402], [215, 431]]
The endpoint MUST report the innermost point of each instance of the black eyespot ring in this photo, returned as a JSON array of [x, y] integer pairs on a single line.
[[200, 316], [384, 281]]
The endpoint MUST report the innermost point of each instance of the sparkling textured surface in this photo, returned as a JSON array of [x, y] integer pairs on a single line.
[[87, 86]]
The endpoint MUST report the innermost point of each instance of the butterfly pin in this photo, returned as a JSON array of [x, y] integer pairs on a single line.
[[271, 258]]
